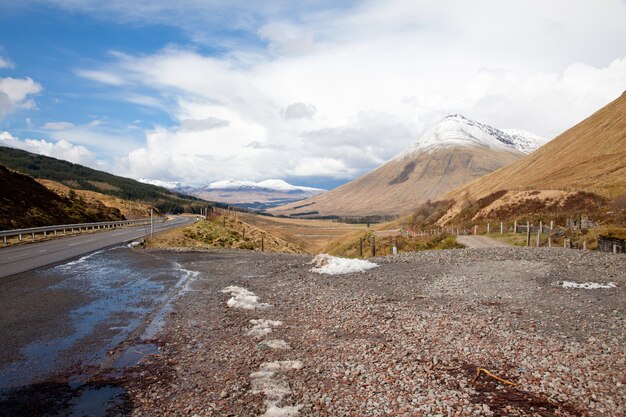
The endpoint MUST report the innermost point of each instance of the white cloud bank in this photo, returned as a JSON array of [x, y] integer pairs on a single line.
[[61, 149]]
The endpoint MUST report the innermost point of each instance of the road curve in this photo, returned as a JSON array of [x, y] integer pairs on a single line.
[[22, 258], [480, 242]]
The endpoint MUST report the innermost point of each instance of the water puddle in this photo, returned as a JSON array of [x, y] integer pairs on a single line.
[[96, 401], [135, 354]]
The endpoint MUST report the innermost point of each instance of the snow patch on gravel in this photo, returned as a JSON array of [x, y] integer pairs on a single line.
[[276, 344], [261, 327], [588, 285], [331, 265], [242, 298], [271, 382]]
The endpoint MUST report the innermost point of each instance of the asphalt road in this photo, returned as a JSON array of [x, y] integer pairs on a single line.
[[23, 258]]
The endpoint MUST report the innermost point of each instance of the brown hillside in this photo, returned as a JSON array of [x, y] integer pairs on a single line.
[[129, 209], [26, 203], [399, 185], [590, 156]]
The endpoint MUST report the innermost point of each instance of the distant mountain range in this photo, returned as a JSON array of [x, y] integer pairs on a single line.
[[455, 151], [255, 195]]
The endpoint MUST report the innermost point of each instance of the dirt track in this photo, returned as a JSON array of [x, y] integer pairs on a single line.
[[478, 242]]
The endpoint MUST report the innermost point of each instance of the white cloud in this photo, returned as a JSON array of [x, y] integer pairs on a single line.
[[103, 77], [61, 149], [15, 94], [336, 90], [58, 125], [299, 111], [5, 63], [195, 125]]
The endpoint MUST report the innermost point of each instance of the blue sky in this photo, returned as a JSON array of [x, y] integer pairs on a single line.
[[313, 92]]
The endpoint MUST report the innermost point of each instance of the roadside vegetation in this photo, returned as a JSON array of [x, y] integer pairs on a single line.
[[223, 231]]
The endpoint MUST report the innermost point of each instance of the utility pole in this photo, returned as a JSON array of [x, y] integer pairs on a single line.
[[151, 223]]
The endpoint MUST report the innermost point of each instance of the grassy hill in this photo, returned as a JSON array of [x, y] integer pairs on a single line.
[[26, 203], [79, 177]]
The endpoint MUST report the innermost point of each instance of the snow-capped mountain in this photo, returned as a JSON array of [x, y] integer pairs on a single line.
[[456, 130], [454, 151], [257, 195], [269, 185], [170, 185]]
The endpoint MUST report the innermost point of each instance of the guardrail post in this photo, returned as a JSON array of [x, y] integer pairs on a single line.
[[45, 234], [20, 237], [32, 235]]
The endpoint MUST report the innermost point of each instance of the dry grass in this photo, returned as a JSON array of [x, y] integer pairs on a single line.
[[311, 235], [223, 232]]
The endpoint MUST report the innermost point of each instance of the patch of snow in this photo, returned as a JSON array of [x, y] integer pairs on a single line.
[[526, 142], [133, 244], [271, 381], [261, 327], [588, 285], [280, 366], [331, 265], [276, 344], [288, 411], [242, 298]]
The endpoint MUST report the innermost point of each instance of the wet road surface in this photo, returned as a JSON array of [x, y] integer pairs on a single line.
[[60, 324]]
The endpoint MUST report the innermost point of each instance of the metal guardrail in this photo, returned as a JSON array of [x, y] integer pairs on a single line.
[[32, 231]]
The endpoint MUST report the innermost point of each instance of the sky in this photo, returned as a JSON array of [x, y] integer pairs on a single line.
[[313, 92]]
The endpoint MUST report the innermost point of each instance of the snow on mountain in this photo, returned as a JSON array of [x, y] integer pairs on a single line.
[[526, 142], [235, 185], [457, 130], [271, 185]]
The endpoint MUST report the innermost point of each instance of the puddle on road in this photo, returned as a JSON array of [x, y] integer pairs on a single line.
[[95, 402], [135, 354]]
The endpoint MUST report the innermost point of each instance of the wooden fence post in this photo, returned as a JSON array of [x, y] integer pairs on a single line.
[[475, 227], [361, 247], [539, 237], [527, 233], [549, 242], [373, 246], [488, 228], [501, 228], [395, 247], [551, 225], [584, 244], [262, 245], [515, 227], [540, 226]]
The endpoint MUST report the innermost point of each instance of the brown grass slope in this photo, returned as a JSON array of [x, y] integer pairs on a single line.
[[590, 156], [399, 185], [26, 203]]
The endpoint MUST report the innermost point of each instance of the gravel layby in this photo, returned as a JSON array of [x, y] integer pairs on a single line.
[[408, 338]]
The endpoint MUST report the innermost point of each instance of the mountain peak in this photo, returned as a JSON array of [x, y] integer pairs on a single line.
[[456, 130]]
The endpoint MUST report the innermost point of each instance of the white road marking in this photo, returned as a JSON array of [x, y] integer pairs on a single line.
[[27, 254], [80, 243]]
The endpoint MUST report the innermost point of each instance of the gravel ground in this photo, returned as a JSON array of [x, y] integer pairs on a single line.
[[404, 339]]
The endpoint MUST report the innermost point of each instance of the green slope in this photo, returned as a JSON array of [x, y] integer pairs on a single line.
[[80, 177]]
